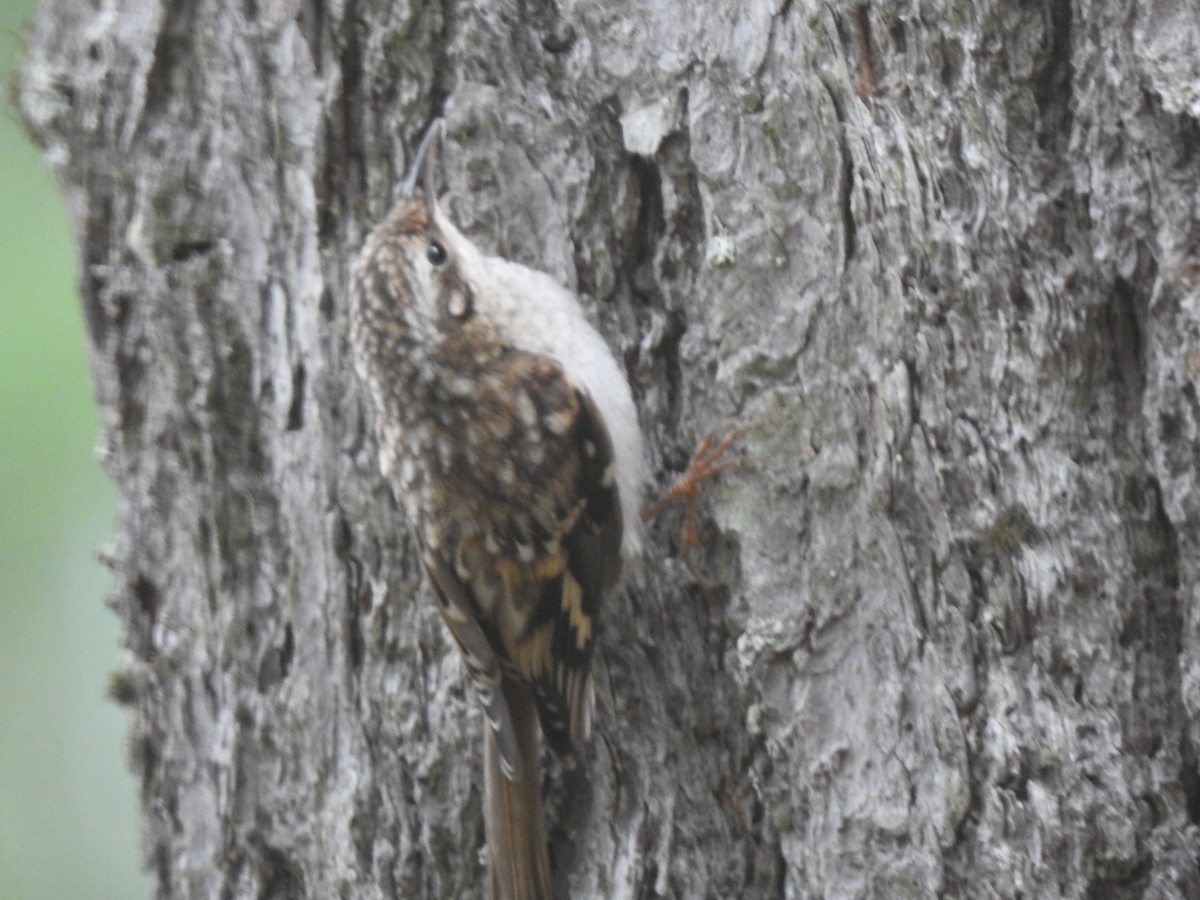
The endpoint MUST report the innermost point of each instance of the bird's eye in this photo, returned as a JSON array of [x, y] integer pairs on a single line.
[[436, 254]]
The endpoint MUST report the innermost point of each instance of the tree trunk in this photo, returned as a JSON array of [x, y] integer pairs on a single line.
[[942, 256]]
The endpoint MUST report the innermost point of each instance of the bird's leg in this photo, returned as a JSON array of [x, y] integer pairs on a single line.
[[707, 462]]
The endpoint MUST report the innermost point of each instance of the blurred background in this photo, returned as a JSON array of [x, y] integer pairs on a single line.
[[68, 822]]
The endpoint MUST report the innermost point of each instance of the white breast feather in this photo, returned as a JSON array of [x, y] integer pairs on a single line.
[[541, 316]]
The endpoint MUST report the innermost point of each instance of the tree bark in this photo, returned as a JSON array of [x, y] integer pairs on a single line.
[[943, 256]]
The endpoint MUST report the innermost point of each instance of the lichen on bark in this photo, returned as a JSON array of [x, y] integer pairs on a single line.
[[942, 256]]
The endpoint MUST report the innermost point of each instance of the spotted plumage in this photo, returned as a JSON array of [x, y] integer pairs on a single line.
[[510, 435]]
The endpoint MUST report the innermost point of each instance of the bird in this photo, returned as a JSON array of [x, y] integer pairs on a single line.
[[509, 433]]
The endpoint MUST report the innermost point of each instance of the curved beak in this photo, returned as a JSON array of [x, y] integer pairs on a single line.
[[424, 166]]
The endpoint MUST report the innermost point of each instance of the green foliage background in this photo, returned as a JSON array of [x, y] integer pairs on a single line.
[[68, 826]]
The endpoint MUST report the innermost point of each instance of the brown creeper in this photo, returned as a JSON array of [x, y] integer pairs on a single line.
[[511, 438]]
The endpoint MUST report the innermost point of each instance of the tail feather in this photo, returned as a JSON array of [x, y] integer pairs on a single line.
[[518, 862]]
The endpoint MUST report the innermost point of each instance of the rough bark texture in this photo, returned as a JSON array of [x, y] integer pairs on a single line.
[[945, 256]]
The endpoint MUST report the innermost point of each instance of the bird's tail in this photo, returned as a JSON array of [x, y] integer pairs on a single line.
[[518, 863]]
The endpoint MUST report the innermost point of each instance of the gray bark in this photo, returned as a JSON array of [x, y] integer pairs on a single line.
[[942, 255]]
